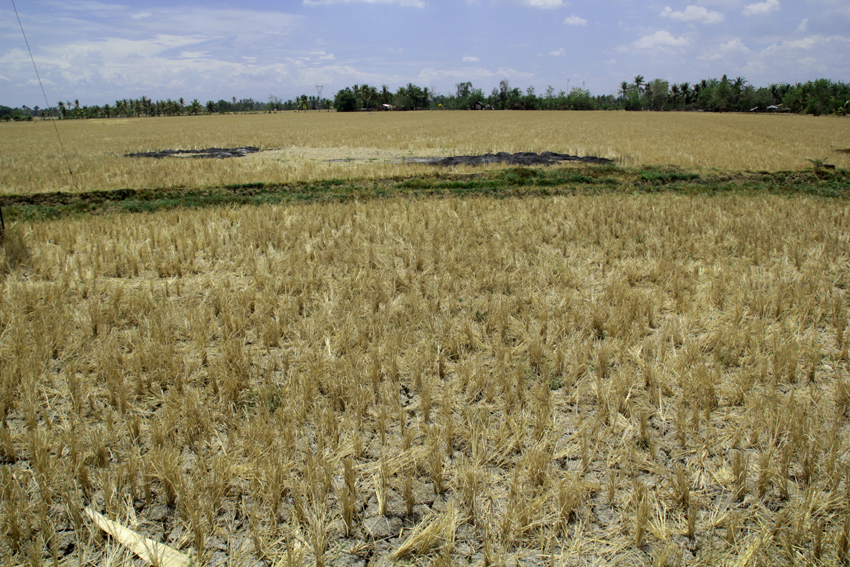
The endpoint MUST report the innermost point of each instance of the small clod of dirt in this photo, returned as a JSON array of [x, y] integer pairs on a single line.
[[208, 153], [520, 158]]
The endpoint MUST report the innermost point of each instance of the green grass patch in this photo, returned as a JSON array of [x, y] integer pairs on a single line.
[[510, 182], [666, 177]]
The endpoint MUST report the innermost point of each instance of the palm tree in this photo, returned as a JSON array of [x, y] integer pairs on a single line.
[[624, 89], [639, 83], [685, 89], [369, 96], [674, 93], [696, 91]]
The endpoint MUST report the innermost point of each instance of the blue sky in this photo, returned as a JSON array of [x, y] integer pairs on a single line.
[[98, 52]]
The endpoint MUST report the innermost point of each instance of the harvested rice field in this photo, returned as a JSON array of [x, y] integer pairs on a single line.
[[570, 366], [320, 146]]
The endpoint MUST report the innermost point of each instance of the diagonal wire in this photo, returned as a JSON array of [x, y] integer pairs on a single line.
[[61, 145]]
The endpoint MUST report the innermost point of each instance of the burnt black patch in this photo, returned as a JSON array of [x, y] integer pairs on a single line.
[[208, 153], [520, 158]]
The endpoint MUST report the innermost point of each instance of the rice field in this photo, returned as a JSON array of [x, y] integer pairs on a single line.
[[616, 378], [364, 146]]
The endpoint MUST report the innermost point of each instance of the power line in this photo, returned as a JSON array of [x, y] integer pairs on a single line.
[[319, 91], [44, 92]]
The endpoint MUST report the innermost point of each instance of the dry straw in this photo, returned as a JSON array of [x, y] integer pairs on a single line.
[[613, 379]]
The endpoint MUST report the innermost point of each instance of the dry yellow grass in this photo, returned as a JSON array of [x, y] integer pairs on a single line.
[[374, 142], [623, 379]]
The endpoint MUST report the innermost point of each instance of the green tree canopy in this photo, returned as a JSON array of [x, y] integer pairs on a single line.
[[345, 100]]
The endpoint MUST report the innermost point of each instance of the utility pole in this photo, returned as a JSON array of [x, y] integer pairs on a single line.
[[319, 91]]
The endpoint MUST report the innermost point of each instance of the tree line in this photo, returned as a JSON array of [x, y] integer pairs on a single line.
[[144, 106], [818, 97], [822, 96]]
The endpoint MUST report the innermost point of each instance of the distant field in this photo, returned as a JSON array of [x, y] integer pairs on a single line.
[[300, 145]]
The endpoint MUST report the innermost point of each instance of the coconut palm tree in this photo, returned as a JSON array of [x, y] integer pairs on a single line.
[[640, 81], [685, 89]]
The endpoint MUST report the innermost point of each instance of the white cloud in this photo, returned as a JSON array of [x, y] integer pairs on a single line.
[[762, 8], [119, 50], [734, 46], [309, 56], [141, 15], [196, 54], [513, 74], [342, 75], [692, 13], [804, 25], [470, 59], [727, 51], [800, 59], [430, 74], [212, 22], [546, 4], [558, 52], [817, 40], [100, 8], [414, 3], [806, 42], [661, 38], [575, 21]]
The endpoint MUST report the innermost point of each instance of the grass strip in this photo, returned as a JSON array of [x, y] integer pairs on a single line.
[[511, 182]]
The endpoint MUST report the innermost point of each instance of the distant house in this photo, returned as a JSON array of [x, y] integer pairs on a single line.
[[477, 106], [386, 107], [771, 108]]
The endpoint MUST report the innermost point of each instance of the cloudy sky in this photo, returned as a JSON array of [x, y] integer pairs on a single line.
[[98, 52]]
